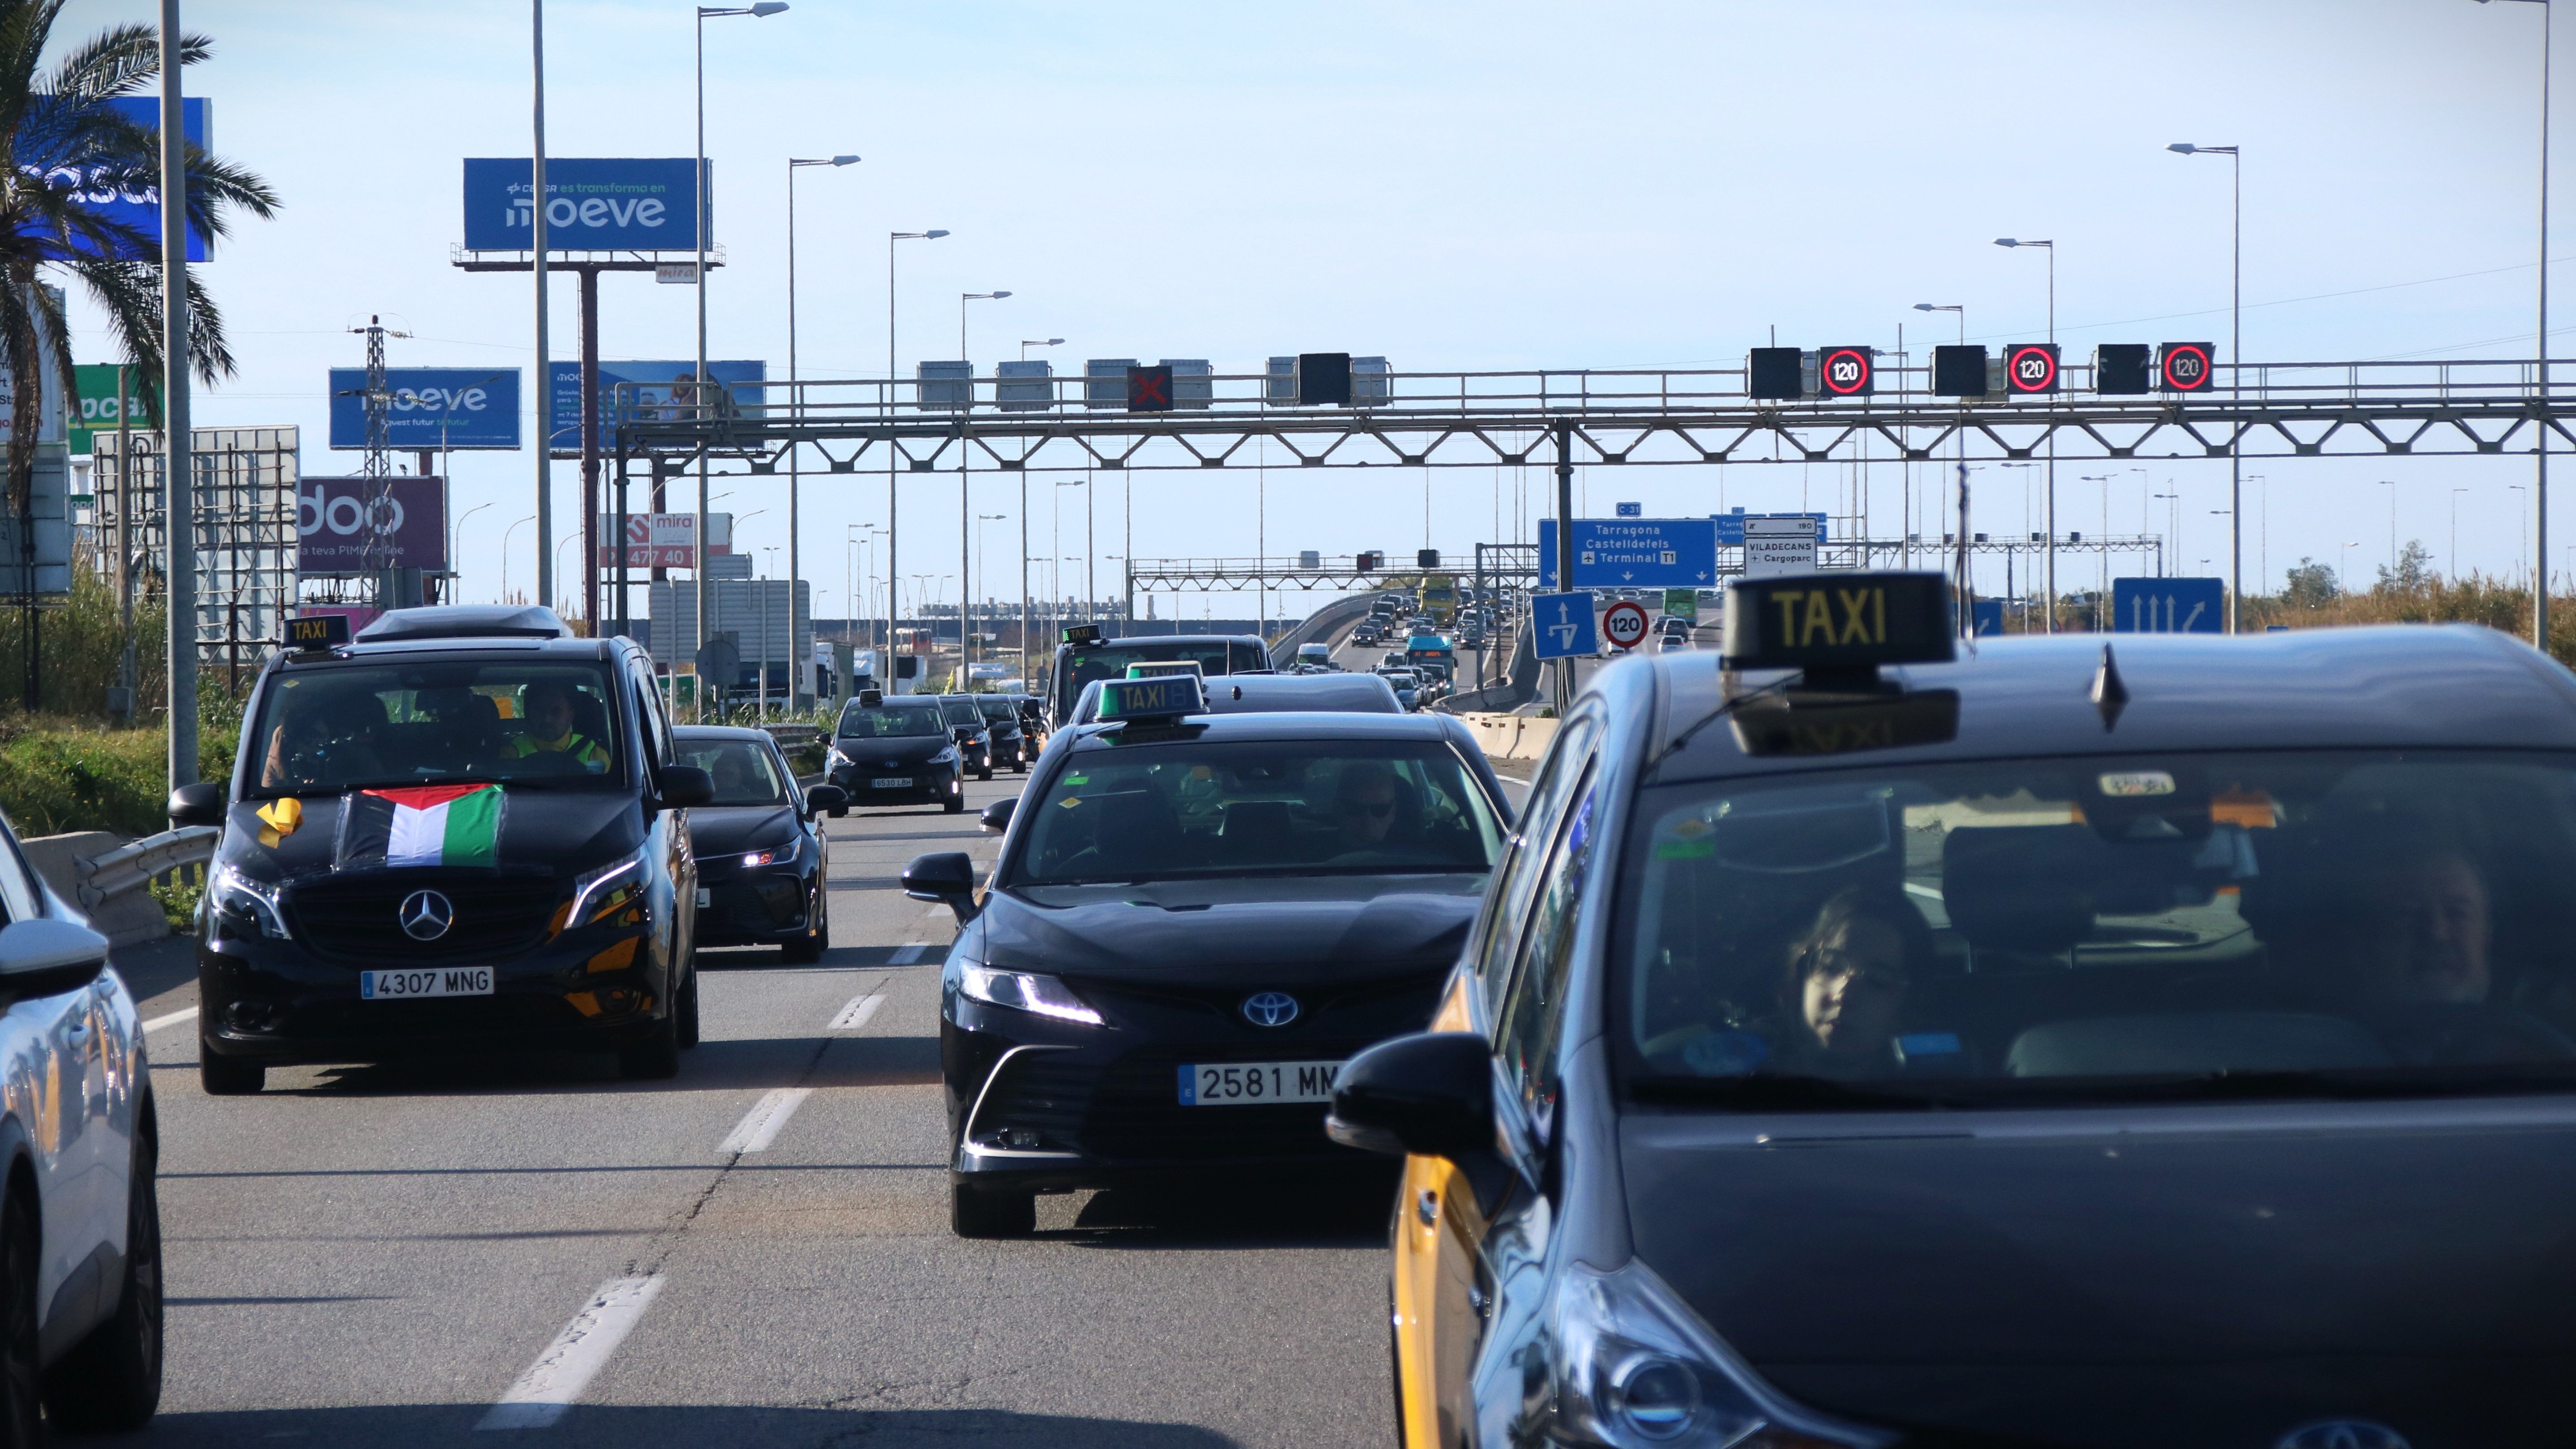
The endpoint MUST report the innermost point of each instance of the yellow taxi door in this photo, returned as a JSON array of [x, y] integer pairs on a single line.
[[1437, 1327]]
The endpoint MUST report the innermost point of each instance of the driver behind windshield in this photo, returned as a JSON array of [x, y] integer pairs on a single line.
[[1846, 984], [329, 743], [550, 729], [2422, 929]]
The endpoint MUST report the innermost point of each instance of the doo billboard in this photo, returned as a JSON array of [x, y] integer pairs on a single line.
[[592, 205], [136, 205], [652, 390], [332, 524], [430, 408]]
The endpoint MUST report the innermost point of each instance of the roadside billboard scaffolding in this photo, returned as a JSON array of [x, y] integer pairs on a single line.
[[246, 483]]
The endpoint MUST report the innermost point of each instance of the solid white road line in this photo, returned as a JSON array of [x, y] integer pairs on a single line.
[[907, 955], [856, 1014], [173, 1019], [759, 1126], [557, 1378]]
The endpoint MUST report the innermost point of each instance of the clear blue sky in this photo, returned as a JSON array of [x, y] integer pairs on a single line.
[[1454, 185]]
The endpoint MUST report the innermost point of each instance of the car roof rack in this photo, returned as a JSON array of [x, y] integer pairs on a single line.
[[466, 621]]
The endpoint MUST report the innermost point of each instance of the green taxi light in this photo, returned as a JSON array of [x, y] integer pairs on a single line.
[[1081, 635], [1157, 697], [1157, 668]]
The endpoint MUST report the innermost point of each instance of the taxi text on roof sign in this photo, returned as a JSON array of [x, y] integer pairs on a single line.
[[318, 631], [1839, 621], [1082, 634], [1163, 696]]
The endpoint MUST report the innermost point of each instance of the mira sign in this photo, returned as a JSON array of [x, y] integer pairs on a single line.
[[593, 205], [430, 408]]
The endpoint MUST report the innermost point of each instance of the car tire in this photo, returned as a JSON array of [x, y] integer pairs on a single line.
[[111, 1381], [985, 773], [978, 1212], [21, 1380], [684, 1007], [807, 949], [954, 804], [657, 1057], [840, 812], [224, 1076]]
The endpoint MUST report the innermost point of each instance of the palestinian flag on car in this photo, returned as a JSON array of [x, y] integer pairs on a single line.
[[425, 825]]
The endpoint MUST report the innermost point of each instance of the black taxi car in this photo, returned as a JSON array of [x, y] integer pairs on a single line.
[[895, 749], [2168, 1042], [762, 859], [1192, 921], [466, 831]]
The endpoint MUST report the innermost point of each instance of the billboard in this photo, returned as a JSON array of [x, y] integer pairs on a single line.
[[468, 407], [652, 394], [100, 407], [592, 205], [136, 205], [1633, 553], [332, 526], [663, 540]]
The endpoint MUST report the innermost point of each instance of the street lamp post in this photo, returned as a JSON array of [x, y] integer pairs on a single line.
[[2049, 512], [2235, 362], [699, 380], [965, 490], [2536, 541], [2451, 560], [894, 608], [1025, 344], [795, 397], [2526, 525], [2391, 485], [505, 555], [1962, 313]]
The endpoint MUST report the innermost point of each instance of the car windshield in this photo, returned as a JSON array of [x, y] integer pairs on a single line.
[[999, 709], [743, 770], [2189, 925], [1110, 661], [892, 720], [350, 725], [1289, 807], [960, 713]]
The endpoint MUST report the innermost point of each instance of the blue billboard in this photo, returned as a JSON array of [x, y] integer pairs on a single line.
[[136, 205], [1730, 526], [430, 408], [2169, 606], [654, 390], [1633, 553], [593, 204]]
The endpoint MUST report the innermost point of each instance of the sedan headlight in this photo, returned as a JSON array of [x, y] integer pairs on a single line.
[[945, 757], [1023, 991], [833, 759], [1637, 1369], [246, 901]]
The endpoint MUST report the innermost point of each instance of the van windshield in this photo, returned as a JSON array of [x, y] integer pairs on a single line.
[[363, 724], [2174, 926]]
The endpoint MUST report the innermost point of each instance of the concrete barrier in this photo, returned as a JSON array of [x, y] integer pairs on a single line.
[[1510, 736]]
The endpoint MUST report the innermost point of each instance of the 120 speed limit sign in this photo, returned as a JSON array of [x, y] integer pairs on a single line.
[[1625, 624], [2031, 367]]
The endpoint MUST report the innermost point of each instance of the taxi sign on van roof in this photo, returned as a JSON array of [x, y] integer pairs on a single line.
[[1079, 635], [1839, 623], [1156, 668], [317, 631], [1158, 697]]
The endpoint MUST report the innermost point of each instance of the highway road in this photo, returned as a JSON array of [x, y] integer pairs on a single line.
[[756, 1253]]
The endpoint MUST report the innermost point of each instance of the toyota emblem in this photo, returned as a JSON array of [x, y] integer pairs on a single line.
[[1270, 1008], [426, 915], [2343, 1434]]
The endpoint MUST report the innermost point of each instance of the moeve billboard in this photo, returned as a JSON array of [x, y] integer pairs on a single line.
[[592, 205], [469, 407], [655, 389], [137, 205], [331, 524]]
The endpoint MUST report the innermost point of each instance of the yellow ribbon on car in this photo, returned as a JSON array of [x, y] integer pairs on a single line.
[[278, 819]]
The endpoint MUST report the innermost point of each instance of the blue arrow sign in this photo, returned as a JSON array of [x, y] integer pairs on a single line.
[[2168, 606], [1561, 626], [1634, 553]]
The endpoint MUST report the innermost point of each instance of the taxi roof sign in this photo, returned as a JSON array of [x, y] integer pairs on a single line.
[[1157, 697], [1841, 623], [1155, 668], [317, 631], [1079, 635]]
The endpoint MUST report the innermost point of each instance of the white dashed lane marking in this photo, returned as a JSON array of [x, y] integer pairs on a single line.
[[856, 1014], [173, 1019], [556, 1379], [907, 955], [759, 1126]]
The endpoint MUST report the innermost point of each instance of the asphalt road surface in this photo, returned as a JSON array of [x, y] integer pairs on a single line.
[[756, 1253]]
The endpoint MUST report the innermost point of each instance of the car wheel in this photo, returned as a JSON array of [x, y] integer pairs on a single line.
[[953, 804], [657, 1057], [21, 1424], [224, 1076], [1020, 768], [985, 773], [111, 1380], [979, 1212], [840, 812], [685, 1007], [807, 949]]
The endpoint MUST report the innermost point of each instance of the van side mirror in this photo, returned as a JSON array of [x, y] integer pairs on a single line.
[[199, 804], [947, 877], [45, 957], [996, 817], [686, 785], [821, 798], [1430, 1094]]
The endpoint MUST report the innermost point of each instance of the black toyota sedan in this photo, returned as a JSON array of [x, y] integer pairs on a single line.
[[761, 857], [1191, 924], [1011, 743], [966, 725], [458, 833], [2102, 1047], [895, 749]]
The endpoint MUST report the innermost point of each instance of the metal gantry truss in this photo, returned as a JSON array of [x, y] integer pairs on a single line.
[[1644, 417]]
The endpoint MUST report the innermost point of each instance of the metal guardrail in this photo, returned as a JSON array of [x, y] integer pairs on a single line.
[[130, 867], [789, 736]]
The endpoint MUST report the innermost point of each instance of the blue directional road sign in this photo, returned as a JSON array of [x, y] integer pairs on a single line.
[[1987, 616], [1730, 526], [1632, 510], [1562, 626], [2168, 606], [1634, 553]]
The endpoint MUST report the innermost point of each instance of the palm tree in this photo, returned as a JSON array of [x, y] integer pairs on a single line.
[[70, 142]]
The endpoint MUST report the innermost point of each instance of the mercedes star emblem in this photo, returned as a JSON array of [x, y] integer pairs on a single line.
[[426, 915], [1270, 1008]]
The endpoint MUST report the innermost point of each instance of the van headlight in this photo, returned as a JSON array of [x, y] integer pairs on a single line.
[[1025, 991], [247, 902], [1637, 1369], [609, 887]]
